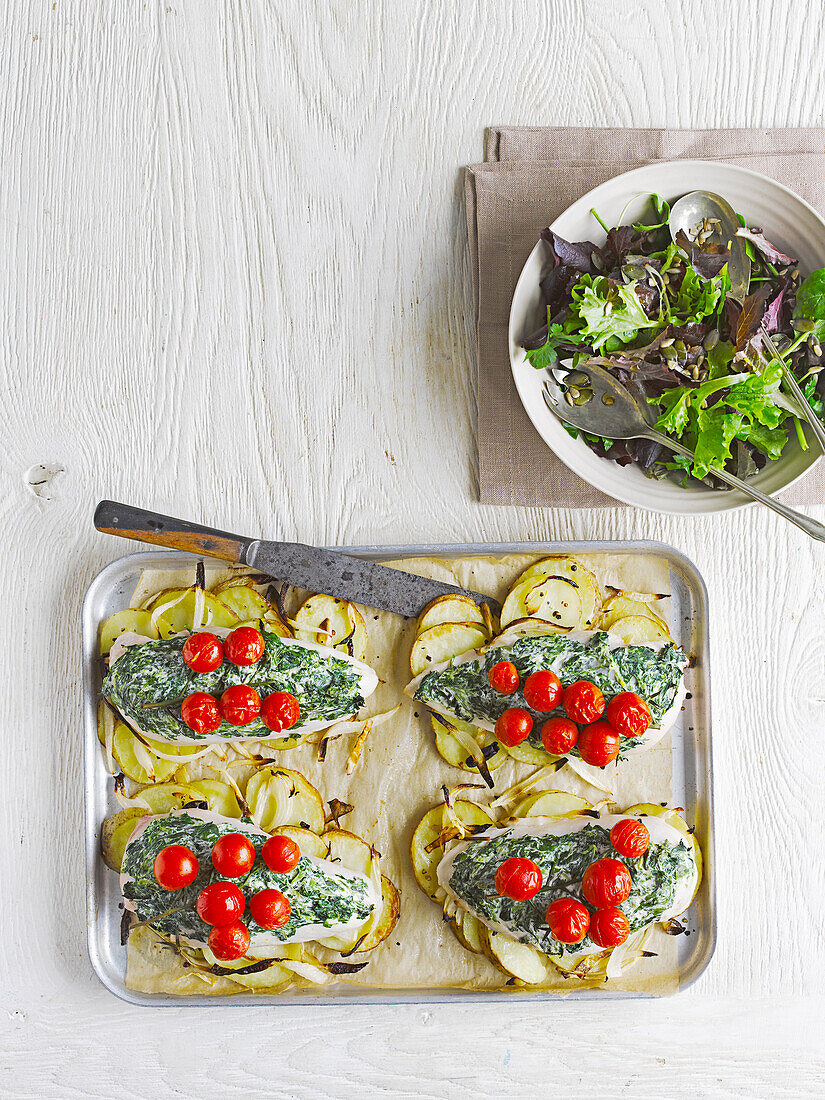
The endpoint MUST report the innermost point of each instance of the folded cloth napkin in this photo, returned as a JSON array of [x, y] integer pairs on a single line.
[[529, 177]]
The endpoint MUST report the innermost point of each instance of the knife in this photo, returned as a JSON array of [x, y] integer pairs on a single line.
[[328, 571]]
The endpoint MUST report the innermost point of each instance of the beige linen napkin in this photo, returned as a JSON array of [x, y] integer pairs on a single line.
[[530, 176]]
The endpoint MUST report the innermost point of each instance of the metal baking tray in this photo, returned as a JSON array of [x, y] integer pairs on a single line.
[[111, 590]]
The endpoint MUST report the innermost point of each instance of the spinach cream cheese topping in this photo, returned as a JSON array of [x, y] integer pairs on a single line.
[[318, 895], [153, 673], [656, 876], [463, 688]]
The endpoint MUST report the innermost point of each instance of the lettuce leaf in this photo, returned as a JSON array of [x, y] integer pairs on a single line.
[[810, 302], [548, 354], [744, 409], [608, 310], [698, 298]]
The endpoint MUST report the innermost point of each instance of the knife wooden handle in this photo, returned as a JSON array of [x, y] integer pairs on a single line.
[[178, 534]]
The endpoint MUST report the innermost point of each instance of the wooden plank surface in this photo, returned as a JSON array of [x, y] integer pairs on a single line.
[[235, 288]]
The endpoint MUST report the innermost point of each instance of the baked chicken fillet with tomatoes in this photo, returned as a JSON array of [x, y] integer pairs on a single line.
[[584, 693], [231, 890], [245, 684], [576, 888]]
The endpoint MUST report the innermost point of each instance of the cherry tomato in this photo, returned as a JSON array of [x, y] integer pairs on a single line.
[[244, 646], [542, 690], [513, 726], [559, 735], [200, 712], [229, 941], [609, 927], [518, 879], [240, 705], [583, 702], [599, 744], [176, 866], [280, 854], [269, 908], [280, 711], [503, 677], [220, 903], [628, 713], [606, 882], [568, 920], [630, 838], [203, 652], [233, 855]]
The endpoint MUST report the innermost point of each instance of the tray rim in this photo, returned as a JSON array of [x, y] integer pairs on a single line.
[[391, 995]]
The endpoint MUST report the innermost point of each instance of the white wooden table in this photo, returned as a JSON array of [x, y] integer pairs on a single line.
[[235, 288]]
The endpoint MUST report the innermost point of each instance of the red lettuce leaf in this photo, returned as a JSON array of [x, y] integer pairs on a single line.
[[768, 250], [707, 259], [772, 319], [749, 319], [579, 256]]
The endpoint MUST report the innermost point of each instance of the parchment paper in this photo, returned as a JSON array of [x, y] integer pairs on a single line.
[[399, 778]]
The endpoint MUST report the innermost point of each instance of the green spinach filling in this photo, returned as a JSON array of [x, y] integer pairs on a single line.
[[563, 860], [316, 895], [463, 689], [147, 676]]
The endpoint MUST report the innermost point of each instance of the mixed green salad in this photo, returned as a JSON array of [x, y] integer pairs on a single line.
[[657, 314]]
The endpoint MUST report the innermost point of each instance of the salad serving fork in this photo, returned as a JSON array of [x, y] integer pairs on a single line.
[[614, 412]]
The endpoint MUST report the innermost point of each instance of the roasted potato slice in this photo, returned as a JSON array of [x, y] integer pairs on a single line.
[[310, 843], [384, 919], [522, 960], [453, 739], [621, 606], [529, 754], [219, 796], [438, 644], [527, 628], [115, 833], [333, 622], [468, 930], [559, 589], [431, 835], [136, 760], [641, 630], [162, 798], [450, 609], [244, 601], [174, 610], [272, 978], [131, 620], [552, 804], [279, 796], [350, 851]]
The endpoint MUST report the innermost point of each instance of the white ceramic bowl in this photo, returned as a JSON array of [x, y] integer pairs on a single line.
[[786, 220]]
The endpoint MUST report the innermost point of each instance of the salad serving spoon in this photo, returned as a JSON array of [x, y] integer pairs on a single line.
[[704, 208], [615, 413]]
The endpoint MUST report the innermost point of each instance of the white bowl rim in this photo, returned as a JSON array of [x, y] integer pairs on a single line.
[[712, 501]]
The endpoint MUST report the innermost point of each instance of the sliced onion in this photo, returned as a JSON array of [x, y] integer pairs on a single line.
[[358, 747], [312, 972], [626, 953], [108, 744], [198, 619], [129, 803], [515, 792], [159, 610], [589, 774]]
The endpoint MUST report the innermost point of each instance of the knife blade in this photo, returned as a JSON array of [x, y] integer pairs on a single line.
[[328, 571]]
